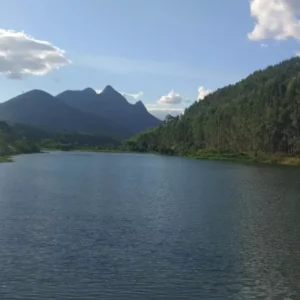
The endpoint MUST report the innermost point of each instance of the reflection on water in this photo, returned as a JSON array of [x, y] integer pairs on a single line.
[[128, 226]]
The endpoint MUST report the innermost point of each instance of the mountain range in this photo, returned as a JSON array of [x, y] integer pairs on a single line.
[[107, 113]]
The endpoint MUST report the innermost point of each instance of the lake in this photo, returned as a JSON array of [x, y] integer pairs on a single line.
[[77, 225]]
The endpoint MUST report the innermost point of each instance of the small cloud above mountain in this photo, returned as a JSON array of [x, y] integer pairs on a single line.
[[21, 55], [170, 98], [202, 93], [162, 112]]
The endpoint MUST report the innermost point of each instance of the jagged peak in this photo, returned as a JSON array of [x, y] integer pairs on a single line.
[[140, 105], [89, 90], [109, 89], [113, 96]]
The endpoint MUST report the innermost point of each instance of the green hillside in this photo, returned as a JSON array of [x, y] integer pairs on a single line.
[[20, 138], [258, 115], [16, 140]]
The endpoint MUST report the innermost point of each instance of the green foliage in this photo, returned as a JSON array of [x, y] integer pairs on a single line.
[[74, 140], [14, 140], [260, 114], [19, 138]]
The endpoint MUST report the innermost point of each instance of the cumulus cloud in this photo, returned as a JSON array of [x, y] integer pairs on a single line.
[[162, 112], [170, 98], [21, 54], [202, 93], [275, 19], [98, 91], [298, 54]]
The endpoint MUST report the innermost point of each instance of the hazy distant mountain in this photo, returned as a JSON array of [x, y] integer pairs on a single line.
[[40, 109], [113, 106], [108, 113]]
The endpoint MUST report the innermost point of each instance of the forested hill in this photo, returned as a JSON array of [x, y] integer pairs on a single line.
[[20, 138], [17, 139], [259, 114]]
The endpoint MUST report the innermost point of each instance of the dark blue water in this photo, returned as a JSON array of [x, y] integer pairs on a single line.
[[128, 226]]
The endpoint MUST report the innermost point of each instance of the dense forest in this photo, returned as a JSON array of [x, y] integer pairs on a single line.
[[66, 140], [260, 114], [20, 138]]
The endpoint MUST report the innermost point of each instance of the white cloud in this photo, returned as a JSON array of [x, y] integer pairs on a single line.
[[202, 93], [298, 54], [264, 45], [275, 19], [162, 112], [160, 109], [21, 54], [170, 98], [136, 96]]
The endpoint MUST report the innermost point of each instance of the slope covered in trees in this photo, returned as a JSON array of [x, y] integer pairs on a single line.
[[17, 140], [20, 138], [260, 114], [65, 140]]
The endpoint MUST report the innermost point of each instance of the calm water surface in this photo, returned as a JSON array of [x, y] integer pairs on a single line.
[[129, 226]]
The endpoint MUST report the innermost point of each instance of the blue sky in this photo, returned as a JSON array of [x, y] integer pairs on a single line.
[[161, 52]]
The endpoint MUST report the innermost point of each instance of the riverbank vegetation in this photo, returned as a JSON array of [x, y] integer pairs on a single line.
[[22, 139], [15, 140], [68, 141]]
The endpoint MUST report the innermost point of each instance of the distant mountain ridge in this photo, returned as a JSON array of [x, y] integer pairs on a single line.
[[112, 105], [107, 113]]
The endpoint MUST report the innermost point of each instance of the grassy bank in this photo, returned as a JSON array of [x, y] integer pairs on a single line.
[[5, 159], [8, 157], [83, 149], [265, 158], [224, 155]]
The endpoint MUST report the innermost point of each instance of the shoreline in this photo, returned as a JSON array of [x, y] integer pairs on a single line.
[[9, 158], [271, 159], [6, 159]]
